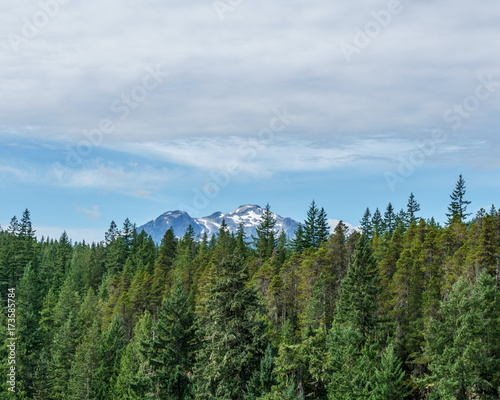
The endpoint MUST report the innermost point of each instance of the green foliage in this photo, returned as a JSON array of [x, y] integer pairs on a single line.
[[457, 210], [266, 240], [408, 309], [109, 353], [464, 342], [232, 334], [169, 351]]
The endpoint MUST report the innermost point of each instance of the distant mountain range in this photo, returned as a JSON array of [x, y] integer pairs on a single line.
[[249, 215]]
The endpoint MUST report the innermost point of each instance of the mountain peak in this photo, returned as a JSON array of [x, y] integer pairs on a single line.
[[248, 214]]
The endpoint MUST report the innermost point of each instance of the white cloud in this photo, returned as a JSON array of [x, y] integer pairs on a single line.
[[140, 181], [227, 76], [93, 213], [283, 154]]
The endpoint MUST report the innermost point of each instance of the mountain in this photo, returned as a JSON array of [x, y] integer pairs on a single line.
[[249, 215]]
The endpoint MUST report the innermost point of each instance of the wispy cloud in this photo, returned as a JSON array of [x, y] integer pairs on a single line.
[[284, 154], [93, 213], [96, 174], [227, 75]]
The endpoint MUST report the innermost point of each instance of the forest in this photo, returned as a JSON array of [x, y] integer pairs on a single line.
[[407, 308]]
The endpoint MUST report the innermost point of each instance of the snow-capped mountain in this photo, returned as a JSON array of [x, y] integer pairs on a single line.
[[249, 215]]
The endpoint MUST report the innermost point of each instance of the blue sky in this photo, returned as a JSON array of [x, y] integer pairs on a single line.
[[131, 109]]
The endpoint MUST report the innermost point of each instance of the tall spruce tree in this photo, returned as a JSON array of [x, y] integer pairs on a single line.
[[389, 219], [169, 352], [323, 228], [232, 334], [311, 228], [412, 208], [366, 223], [457, 210], [464, 343], [266, 240], [355, 332], [134, 376], [377, 223], [298, 244], [110, 351]]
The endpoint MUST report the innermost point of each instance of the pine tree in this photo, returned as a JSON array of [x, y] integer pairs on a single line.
[[457, 210], [311, 228], [110, 352], [28, 316], [241, 246], [389, 378], [356, 328], [266, 241], [170, 351], [62, 356], [298, 243], [233, 336], [322, 227], [357, 306], [464, 342], [83, 368], [413, 208], [135, 371], [263, 379], [377, 223], [389, 219], [366, 224], [167, 249]]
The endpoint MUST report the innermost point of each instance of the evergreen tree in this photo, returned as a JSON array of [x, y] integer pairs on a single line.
[[311, 228], [28, 316], [83, 368], [170, 351], [323, 228], [413, 208], [377, 223], [110, 352], [62, 356], [357, 306], [355, 332], [167, 249], [266, 241], [389, 219], [298, 243], [233, 336], [464, 343], [457, 210], [389, 378], [263, 379], [366, 224], [135, 371], [241, 246]]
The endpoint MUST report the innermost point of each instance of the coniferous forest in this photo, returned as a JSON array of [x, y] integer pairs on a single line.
[[406, 309]]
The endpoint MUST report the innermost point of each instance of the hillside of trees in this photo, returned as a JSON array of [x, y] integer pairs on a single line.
[[407, 309]]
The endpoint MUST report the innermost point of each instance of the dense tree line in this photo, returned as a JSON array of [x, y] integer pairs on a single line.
[[404, 309]]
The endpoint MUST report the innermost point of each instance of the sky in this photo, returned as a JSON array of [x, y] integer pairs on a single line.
[[128, 109]]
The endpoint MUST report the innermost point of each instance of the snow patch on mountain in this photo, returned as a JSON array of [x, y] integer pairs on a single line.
[[250, 215]]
